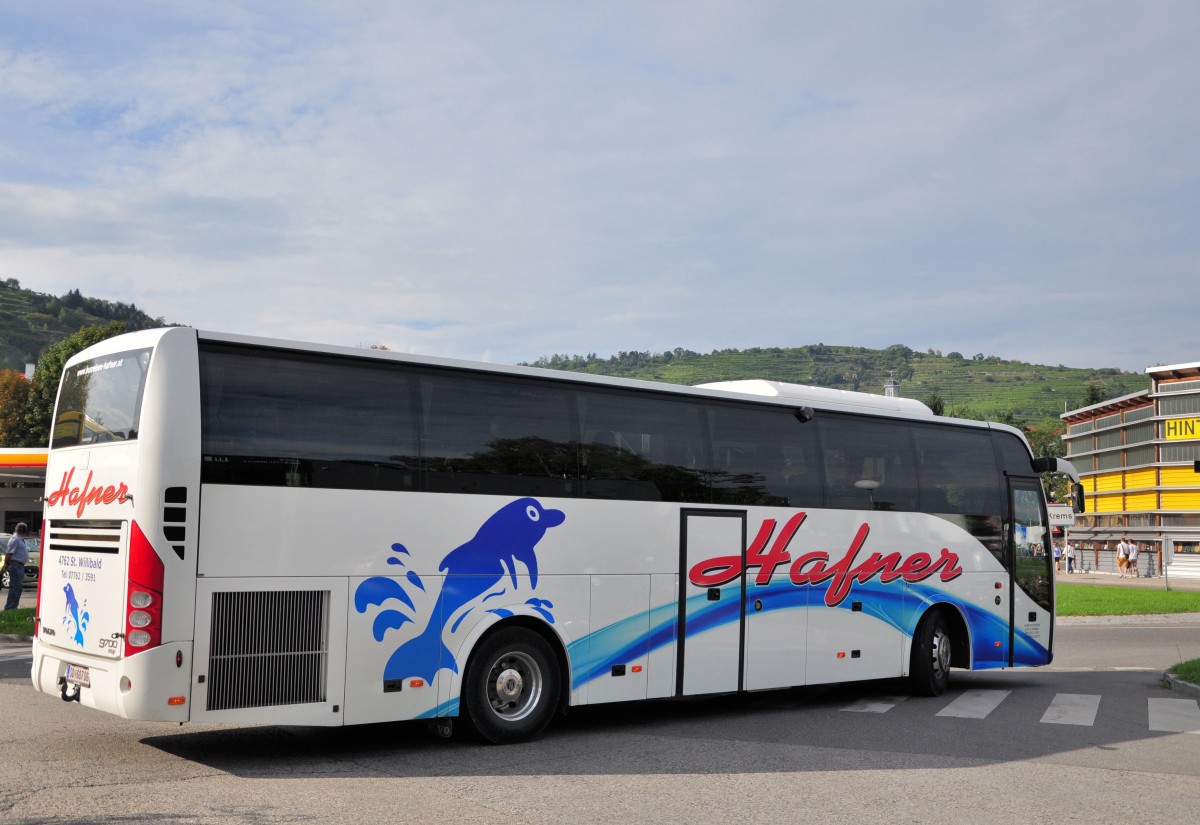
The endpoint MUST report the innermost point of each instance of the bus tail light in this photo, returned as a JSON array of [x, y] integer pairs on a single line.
[[37, 605], [143, 603]]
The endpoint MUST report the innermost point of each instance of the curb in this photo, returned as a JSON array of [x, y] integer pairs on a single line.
[[1173, 682]]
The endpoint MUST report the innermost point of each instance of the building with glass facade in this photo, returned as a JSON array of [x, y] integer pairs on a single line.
[[1139, 460]]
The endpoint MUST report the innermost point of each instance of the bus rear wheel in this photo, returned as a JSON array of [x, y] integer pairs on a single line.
[[932, 652], [512, 686]]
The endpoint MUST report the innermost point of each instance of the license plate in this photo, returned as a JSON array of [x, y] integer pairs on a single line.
[[77, 675]]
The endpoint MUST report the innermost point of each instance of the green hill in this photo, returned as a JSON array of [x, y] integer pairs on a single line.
[[980, 386], [31, 321], [988, 386]]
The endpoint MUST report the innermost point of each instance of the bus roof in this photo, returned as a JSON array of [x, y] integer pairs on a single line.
[[820, 395], [776, 392]]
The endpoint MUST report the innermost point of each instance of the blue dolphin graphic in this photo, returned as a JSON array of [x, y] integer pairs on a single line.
[[75, 617], [473, 569]]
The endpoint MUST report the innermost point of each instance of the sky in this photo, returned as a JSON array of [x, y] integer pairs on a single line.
[[507, 180]]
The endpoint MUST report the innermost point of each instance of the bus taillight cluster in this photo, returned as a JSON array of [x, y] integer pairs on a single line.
[[144, 595]]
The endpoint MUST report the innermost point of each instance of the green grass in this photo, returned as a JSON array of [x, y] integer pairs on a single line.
[[18, 622], [1188, 671], [1098, 600]]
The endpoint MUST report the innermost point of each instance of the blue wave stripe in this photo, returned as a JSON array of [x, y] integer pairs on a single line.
[[897, 606], [448, 708]]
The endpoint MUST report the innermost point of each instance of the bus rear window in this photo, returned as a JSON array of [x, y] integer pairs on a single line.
[[101, 400]]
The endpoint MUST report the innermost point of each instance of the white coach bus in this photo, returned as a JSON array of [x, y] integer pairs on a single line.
[[257, 531]]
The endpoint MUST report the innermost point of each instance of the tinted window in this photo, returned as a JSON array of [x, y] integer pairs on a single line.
[[291, 419], [958, 471], [960, 482], [287, 419], [763, 456], [485, 434], [869, 463], [641, 447], [1014, 454]]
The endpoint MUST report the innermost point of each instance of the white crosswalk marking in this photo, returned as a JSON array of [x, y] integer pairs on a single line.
[[881, 704], [975, 704], [1072, 709], [1080, 709], [1174, 715]]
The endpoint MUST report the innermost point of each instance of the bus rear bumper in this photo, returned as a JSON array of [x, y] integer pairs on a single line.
[[151, 686]]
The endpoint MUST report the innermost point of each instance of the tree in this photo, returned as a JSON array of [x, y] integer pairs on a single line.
[[1093, 394], [936, 403], [39, 407], [1046, 438], [14, 395]]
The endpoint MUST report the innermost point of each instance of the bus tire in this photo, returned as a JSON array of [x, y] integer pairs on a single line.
[[512, 686], [932, 652]]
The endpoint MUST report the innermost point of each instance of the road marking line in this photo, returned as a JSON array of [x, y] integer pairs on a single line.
[[1174, 715], [975, 704], [1072, 709], [881, 705]]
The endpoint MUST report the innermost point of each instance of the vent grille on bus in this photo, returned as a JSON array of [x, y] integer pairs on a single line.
[[268, 649], [175, 517], [85, 536]]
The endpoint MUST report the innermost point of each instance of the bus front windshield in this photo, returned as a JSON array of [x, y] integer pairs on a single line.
[[101, 400]]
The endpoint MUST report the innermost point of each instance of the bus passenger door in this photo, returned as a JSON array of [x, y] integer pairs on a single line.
[[1032, 596], [712, 590]]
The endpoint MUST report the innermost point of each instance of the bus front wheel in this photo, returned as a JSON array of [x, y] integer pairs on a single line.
[[512, 686], [932, 653]]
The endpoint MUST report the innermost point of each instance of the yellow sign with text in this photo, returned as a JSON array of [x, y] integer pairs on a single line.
[[1180, 429]]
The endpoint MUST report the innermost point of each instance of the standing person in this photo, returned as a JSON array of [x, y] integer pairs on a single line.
[[1133, 556], [1069, 555], [16, 556], [1057, 555]]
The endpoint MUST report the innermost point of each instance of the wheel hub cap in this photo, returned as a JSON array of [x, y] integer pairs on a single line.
[[941, 654], [509, 685]]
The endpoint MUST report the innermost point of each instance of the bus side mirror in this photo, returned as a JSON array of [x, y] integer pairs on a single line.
[[1077, 498]]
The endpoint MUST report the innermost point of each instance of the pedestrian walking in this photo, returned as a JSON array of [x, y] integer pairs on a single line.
[[1133, 559], [1123, 556], [1069, 555]]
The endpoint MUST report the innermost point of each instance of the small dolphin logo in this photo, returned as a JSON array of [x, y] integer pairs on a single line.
[[75, 616], [472, 570]]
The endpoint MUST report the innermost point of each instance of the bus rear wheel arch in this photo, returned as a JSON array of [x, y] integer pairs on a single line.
[[513, 685]]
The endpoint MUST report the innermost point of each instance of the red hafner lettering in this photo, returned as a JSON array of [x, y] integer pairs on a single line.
[[81, 497], [815, 568]]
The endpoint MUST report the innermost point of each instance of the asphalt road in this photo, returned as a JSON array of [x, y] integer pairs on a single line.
[[1094, 738]]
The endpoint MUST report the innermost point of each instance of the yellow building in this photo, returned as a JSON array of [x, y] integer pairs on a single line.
[[1139, 459]]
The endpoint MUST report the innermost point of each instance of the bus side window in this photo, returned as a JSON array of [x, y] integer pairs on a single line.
[[500, 436], [278, 419], [763, 456], [869, 463], [960, 482], [640, 448]]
